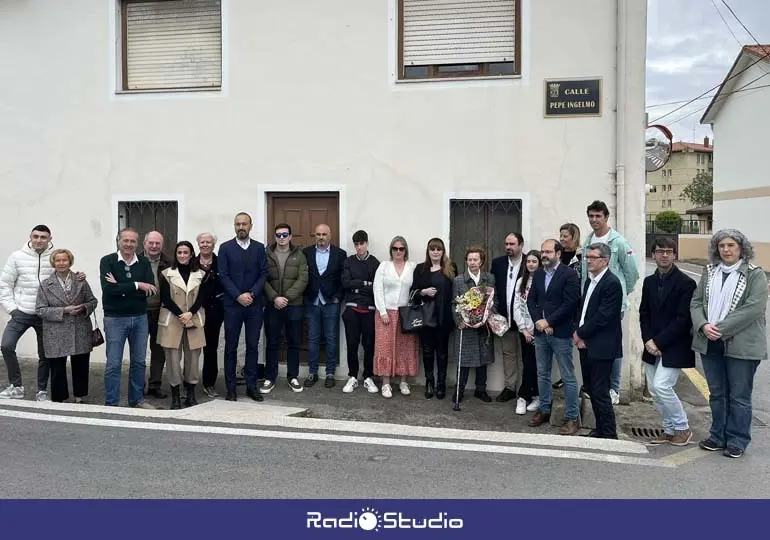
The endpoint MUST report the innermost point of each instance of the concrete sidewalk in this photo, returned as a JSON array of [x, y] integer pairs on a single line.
[[413, 410]]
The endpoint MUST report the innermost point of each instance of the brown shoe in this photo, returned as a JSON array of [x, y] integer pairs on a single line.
[[681, 437], [570, 428], [539, 418], [663, 438]]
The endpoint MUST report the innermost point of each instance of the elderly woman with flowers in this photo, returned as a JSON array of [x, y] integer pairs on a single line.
[[729, 321], [473, 346]]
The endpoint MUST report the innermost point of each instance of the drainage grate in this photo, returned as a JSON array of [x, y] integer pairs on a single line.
[[645, 432]]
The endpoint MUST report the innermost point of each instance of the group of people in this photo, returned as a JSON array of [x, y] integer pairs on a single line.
[[565, 296]]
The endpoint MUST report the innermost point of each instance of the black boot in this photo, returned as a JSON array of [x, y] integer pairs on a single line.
[[176, 403], [441, 387], [190, 401], [429, 387]]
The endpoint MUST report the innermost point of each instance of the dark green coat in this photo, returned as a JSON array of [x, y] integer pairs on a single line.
[[294, 279]]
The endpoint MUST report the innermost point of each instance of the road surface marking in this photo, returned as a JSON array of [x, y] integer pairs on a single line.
[[246, 414], [697, 274], [685, 456], [698, 381], [332, 438]]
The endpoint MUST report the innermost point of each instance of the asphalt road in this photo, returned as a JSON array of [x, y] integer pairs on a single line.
[[68, 451]]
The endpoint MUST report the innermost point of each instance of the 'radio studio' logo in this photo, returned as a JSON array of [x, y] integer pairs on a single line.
[[370, 519]]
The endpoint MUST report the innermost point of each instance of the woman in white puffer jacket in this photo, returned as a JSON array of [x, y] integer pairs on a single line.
[[528, 391]]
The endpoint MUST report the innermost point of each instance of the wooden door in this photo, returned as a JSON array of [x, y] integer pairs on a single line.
[[303, 212]]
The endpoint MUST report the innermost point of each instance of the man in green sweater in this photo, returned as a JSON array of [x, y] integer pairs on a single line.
[[127, 281]]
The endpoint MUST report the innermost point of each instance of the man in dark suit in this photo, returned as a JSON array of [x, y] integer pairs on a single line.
[[552, 303], [322, 303], [599, 336], [664, 317], [507, 269], [242, 273]]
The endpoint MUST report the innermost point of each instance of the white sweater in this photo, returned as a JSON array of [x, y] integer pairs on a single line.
[[391, 291], [21, 278]]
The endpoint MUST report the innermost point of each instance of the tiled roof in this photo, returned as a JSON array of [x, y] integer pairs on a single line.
[[758, 50], [682, 146]]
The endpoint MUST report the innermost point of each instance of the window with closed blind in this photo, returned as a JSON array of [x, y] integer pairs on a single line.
[[171, 44], [459, 38]]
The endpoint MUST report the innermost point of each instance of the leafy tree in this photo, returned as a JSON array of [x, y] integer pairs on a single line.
[[668, 221], [700, 192]]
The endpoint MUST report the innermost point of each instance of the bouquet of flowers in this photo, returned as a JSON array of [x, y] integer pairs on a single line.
[[476, 308]]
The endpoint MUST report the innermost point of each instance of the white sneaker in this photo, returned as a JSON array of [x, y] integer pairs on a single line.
[[12, 392], [614, 396], [266, 387], [351, 385], [42, 395], [295, 386], [404, 388], [534, 405], [370, 386], [521, 406], [387, 392]]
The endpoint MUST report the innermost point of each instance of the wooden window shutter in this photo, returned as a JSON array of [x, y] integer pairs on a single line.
[[458, 31], [172, 44]]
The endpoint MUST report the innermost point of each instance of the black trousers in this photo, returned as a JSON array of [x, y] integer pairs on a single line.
[[359, 329], [596, 381], [157, 355], [435, 343], [215, 316], [59, 386], [480, 378], [528, 389]]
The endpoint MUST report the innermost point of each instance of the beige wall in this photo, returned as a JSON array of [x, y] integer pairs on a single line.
[[693, 246]]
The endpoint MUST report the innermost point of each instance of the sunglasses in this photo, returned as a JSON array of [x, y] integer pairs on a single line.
[[396, 248], [282, 235], [127, 270]]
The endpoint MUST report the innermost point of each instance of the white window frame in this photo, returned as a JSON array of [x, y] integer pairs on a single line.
[[115, 61]]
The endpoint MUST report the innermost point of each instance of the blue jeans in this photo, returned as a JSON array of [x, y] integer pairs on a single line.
[[731, 381], [617, 364], [116, 331], [236, 317], [326, 317], [545, 348], [661, 381], [288, 319]]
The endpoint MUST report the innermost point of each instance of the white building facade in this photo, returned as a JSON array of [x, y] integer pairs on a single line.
[[413, 117], [737, 114]]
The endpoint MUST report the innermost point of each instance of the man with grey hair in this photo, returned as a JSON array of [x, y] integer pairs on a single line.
[[153, 250], [599, 336]]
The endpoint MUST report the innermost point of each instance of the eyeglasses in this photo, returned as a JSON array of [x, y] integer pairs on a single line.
[[282, 235], [594, 257], [664, 251], [397, 248], [547, 251]]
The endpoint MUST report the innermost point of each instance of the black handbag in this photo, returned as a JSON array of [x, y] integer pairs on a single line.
[[417, 314]]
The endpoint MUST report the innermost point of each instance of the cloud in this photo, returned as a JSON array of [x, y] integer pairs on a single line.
[[690, 50]]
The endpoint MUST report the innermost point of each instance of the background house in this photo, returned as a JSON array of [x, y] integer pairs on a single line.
[[687, 161], [738, 114], [396, 116]]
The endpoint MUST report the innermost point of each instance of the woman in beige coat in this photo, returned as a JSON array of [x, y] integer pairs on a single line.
[[181, 321]]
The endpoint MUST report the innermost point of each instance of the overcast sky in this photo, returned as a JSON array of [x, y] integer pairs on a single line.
[[689, 50]]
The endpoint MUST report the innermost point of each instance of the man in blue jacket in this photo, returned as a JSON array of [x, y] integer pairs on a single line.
[[552, 302], [242, 273]]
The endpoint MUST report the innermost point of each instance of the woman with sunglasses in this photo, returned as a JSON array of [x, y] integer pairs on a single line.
[[433, 282], [395, 353], [528, 391], [181, 321]]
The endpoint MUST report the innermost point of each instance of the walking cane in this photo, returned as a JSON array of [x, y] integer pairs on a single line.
[[456, 406]]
